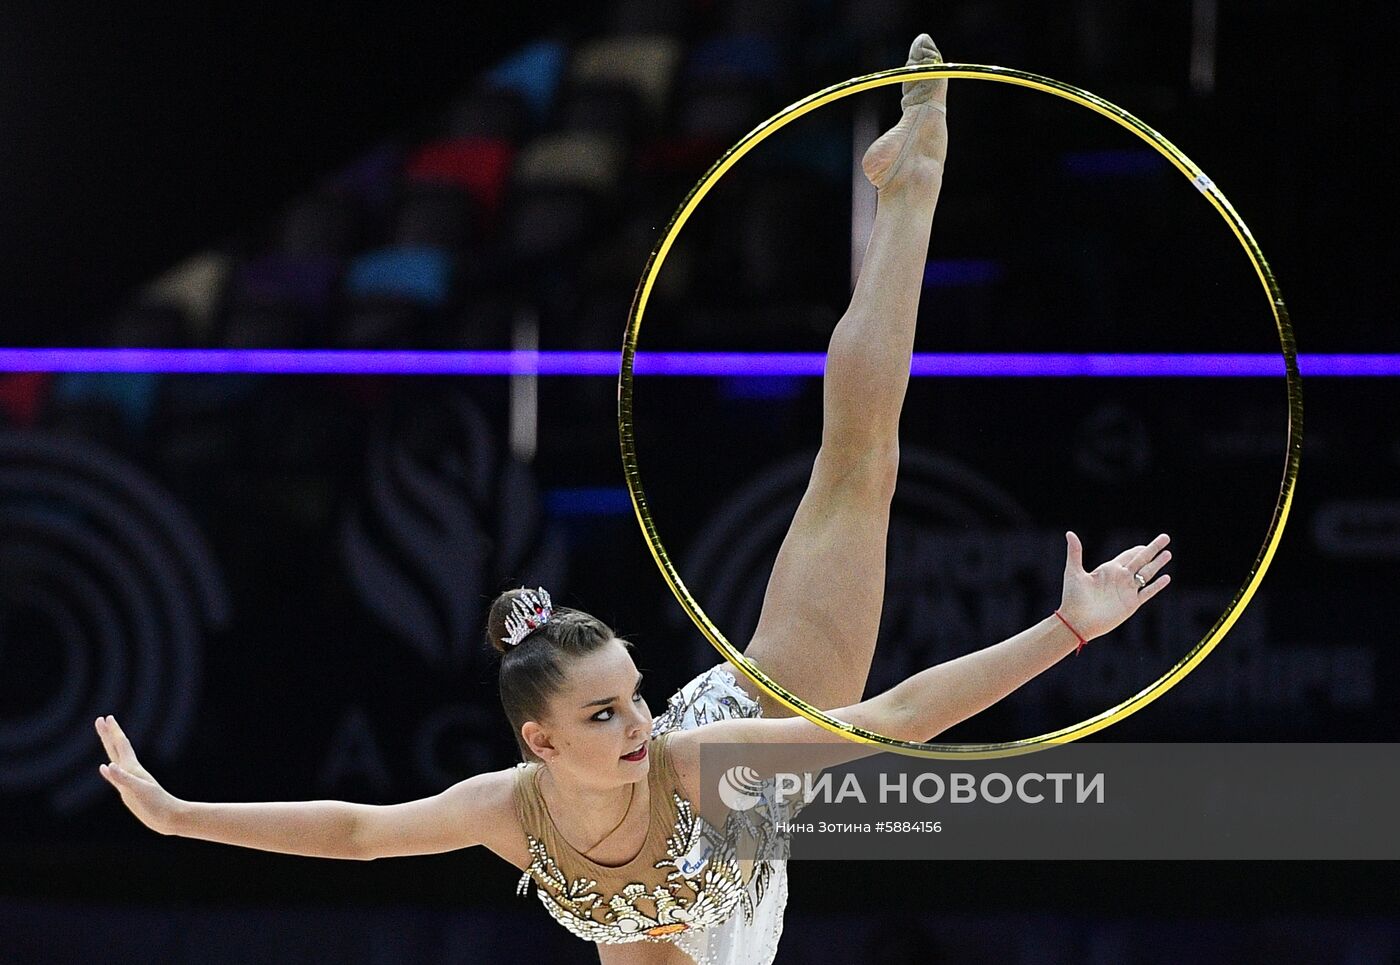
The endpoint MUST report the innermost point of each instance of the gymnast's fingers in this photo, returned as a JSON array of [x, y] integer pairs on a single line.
[[109, 744], [1153, 588], [115, 742], [1155, 566], [1142, 555]]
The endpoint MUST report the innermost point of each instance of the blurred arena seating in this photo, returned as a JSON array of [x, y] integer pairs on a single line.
[[543, 185]]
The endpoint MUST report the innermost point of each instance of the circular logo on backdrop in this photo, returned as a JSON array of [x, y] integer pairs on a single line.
[[107, 589]]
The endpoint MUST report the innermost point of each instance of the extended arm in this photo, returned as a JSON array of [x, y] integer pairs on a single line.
[[933, 700], [468, 813], [459, 817], [929, 702], [318, 829], [918, 708]]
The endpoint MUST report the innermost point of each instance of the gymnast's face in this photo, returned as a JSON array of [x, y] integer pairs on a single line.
[[597, 719]]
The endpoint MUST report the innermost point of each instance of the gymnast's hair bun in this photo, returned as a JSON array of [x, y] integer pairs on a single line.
[[496, 632]]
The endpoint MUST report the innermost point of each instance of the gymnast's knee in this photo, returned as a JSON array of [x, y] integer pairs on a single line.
[[870, 470]]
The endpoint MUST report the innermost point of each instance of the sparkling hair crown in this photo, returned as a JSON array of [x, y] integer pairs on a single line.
[[528, 612]]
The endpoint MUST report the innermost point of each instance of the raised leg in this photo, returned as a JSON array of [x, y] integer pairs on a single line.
[[821, 612]]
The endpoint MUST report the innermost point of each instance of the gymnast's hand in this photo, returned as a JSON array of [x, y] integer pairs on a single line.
[[1096, 603], [144, 797]]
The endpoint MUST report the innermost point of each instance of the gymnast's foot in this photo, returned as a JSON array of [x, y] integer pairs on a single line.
[[914, 149]]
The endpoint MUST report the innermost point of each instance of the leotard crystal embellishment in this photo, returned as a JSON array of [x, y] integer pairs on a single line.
[[716, 890]]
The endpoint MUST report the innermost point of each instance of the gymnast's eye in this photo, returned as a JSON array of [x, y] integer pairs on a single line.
[[608, 710]]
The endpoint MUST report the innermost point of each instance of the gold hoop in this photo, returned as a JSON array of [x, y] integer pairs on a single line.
[[1212, 193]]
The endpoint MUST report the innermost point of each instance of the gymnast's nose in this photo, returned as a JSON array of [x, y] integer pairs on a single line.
[[641, 720]]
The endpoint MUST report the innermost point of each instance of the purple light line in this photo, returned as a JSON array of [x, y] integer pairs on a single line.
[[730, 364]]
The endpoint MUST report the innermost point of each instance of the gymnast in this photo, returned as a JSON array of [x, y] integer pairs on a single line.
[[602, 815]]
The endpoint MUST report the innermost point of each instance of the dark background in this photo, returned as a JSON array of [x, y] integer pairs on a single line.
[[304, 623]]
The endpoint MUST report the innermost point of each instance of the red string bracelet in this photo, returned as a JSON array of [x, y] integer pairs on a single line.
[[1082, 641]]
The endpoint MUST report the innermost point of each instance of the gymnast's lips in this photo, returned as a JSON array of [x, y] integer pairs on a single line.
[[641, 750]]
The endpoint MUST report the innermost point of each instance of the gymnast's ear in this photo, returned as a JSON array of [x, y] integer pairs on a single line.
[[537, 738]]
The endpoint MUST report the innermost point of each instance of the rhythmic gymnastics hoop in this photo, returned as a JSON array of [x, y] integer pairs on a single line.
[[1207, 187]]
